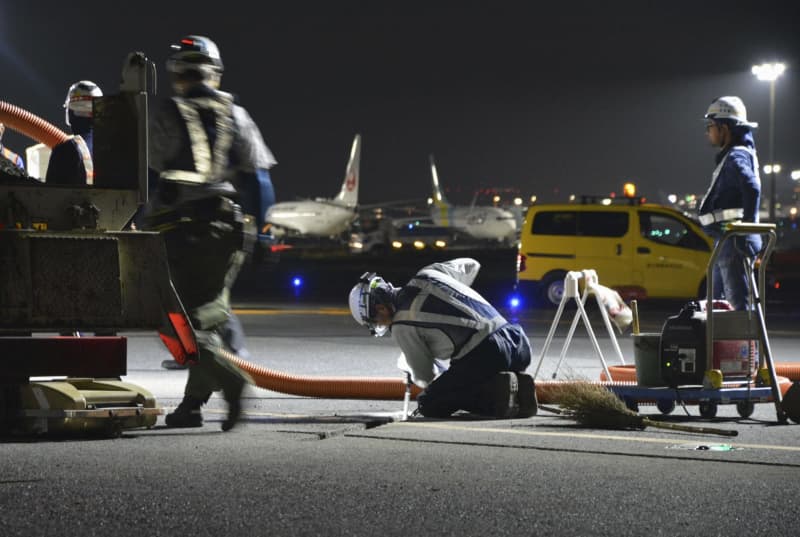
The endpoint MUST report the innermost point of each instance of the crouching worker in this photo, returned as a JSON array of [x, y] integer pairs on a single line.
[[438, 317]]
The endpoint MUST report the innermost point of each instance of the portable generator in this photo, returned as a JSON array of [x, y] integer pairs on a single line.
[[683, 353]]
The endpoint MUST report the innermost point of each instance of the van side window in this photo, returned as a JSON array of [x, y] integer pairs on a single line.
[[555, 223], [602, 223], [583, 223], [666, 229]]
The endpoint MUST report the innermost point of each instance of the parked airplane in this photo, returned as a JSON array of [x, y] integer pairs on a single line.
[[321, 217], [480, 222]]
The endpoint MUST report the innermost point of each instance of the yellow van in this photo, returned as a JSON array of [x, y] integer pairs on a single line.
[[641, 250]]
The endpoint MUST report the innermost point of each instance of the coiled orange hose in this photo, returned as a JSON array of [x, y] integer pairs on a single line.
[[31, 125]]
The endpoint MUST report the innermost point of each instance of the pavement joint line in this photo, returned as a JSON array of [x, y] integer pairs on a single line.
[[593, 436]]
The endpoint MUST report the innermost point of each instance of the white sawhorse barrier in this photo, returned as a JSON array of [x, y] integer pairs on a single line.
[[571, 292]]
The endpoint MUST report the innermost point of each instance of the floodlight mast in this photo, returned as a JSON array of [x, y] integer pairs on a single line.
[[770, 72]]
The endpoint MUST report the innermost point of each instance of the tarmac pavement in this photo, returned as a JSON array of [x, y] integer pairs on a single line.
[[307, 466]]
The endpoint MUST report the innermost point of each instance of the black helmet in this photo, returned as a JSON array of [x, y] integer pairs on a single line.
[[195, 53]]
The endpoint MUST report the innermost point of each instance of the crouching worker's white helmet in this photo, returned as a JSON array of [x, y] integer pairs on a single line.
[[369, 291]]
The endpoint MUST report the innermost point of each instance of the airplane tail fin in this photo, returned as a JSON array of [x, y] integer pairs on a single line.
[[348, 195], [438, 197]]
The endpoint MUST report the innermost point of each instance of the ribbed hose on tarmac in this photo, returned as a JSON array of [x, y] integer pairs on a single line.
[[365, 387], [31, 125]]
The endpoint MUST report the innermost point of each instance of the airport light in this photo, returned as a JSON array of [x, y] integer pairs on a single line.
[[629, 190], [769, 72]]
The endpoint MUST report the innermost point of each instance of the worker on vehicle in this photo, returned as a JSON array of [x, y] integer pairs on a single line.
[[212, 167], [733, 196], [438, 318], [7, 154], [71, 161]]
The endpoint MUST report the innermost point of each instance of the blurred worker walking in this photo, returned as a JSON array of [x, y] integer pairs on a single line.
[[71, 161], [733, 196], [7, 154], [213, 169], [437, 317]]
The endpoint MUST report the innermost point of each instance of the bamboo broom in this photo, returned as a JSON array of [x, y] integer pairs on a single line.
[[595, 406]]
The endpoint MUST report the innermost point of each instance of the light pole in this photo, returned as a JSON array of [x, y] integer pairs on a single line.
[[770, 72]]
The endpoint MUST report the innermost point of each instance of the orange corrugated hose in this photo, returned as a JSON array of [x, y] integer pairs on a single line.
[[366, 387], [31, 125], [789, 370]]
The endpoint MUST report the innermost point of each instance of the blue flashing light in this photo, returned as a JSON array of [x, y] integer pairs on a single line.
[[297, 282], [514, 302]]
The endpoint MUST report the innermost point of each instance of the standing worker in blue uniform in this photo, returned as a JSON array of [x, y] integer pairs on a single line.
[[7, 154], [438, 318], [733, 196], [71, 161], [213, 168]]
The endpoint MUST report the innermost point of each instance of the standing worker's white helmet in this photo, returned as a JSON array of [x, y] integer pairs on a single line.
[[730, 108], [363, 299], [196, 54], [79, 99]]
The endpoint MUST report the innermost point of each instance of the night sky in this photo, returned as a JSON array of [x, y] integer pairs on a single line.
[[552, 98]]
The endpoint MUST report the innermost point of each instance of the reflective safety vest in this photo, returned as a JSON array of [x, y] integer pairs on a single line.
[[86, 157], [726, 214], [451, 306], [210, 163]]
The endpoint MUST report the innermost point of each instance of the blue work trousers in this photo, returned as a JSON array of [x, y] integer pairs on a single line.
[[461, 386]]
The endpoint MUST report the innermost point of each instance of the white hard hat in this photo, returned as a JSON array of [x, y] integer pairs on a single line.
[[731, 108], [79, 99], [361, 302]]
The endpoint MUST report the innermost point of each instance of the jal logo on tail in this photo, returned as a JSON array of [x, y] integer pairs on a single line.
[[350, 183]]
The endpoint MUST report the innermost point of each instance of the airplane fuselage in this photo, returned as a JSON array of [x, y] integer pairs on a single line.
[[311, 218], [479, 222]]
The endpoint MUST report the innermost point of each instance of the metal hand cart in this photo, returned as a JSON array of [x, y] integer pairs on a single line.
[[691, 365]]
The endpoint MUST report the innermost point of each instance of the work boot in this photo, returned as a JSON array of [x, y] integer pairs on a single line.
[[500, 395], [234, 399], [526, 397], [187, 414]]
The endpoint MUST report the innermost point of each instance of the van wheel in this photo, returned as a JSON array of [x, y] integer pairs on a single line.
[[552, 288]]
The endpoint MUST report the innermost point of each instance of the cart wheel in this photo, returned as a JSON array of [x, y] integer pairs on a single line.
[[665, 406], [632, 404], [708, 409], [745, 408]]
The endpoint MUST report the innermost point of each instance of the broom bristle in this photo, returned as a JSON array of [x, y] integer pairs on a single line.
[[593, 405]]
